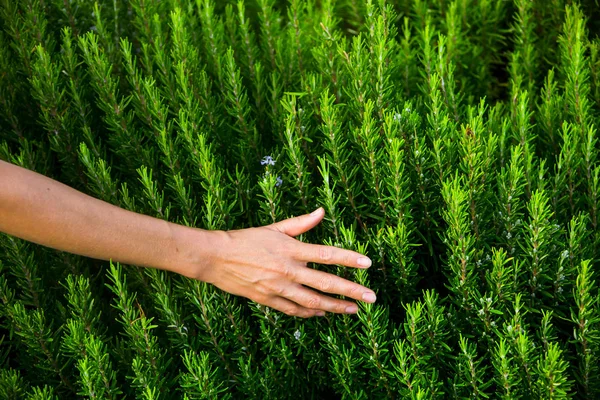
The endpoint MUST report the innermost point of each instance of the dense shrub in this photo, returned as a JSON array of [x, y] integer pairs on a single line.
[[452, 141]]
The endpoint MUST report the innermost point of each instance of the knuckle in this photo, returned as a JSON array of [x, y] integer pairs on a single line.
[[289, 248], [268, 289], [272, 288], [325, 284], [279, 290], [313, 302], [325, 253], [260, 298], [347, 258], [264, 287], [304, 312], [291, 311], [288, 272], [354, 291]]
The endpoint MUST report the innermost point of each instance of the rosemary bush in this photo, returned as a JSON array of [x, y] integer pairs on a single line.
[[454, 142]]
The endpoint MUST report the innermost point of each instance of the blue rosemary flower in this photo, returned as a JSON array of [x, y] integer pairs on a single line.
[[267, 160]]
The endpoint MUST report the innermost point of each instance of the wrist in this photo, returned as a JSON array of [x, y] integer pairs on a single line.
[[196, 251]]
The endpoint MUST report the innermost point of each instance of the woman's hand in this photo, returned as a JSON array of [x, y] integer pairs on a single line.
[[263, 264], [269, 266]]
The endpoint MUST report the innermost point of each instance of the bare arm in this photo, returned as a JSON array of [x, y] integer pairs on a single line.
[[264, 264], [44, 211]]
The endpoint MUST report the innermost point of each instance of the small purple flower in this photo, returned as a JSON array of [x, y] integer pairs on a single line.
[[279, 181], [267, 160]]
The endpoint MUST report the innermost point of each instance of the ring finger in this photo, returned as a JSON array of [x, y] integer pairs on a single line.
[[313, 300]]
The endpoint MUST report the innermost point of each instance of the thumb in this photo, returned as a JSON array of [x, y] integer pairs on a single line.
[[298, 225]]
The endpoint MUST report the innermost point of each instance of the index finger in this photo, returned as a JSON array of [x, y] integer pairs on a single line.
[[331, 255]]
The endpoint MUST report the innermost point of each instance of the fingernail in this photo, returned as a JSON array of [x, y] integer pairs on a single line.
[[320, 313], [369, 297], [351, 309], [316, 212], [364, 262]]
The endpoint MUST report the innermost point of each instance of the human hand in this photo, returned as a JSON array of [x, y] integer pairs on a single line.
[[264, 264], [269, 266]]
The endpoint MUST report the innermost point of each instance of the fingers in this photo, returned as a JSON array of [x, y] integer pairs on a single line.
[[297, 300], [299, 225], [290, 308], [315, 301], [329, 283], [317, 253], [332, 255]]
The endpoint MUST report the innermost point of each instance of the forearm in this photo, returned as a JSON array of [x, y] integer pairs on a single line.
[[41, 210]]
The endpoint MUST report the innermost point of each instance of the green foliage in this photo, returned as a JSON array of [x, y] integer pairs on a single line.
[[454, 142]]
